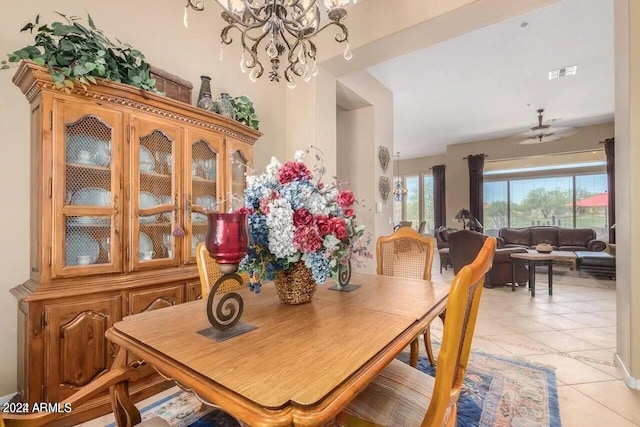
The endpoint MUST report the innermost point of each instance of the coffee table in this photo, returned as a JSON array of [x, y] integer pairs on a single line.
[[532, 259], [564, 257]]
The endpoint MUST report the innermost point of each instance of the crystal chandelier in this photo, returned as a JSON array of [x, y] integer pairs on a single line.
[[283, 29], [399, 191]]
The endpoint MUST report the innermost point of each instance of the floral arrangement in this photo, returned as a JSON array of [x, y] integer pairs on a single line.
[[293, 216]]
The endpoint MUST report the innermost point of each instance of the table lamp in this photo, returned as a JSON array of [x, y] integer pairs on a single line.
[[463, 215]]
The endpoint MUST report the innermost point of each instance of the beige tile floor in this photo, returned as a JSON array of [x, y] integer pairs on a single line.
[[572, 331]]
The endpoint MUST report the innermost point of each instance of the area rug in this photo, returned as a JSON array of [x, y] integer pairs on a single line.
[[498, 392]]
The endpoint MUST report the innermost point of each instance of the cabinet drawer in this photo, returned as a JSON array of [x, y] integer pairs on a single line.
[[193, 291], [152, 299]]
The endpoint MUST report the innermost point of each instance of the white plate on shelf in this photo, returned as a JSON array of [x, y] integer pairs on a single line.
[[147, 164], [91, 196], [80, 248], [148, 200], [198, 218], [205, 201], [89, 220], [88, 150], [145, 244]]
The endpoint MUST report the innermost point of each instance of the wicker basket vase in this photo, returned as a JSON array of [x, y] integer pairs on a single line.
[[295, 286]]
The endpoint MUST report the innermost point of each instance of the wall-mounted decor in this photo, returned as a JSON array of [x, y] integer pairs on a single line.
[[383, 156], [385, 188]]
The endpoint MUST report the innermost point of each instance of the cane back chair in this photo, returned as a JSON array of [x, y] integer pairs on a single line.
[[406, 253], [401, 395]]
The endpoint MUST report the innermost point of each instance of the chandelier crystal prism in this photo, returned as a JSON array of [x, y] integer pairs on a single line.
[[283, 30]]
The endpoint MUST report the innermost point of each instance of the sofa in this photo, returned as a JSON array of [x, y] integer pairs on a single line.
[[464, 247], [442, 236], [562, 239]]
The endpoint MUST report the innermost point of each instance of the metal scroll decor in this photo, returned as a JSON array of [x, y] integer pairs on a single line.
[[383, 156], [384, 185], [344, 277], [228, 309], [224, 313]]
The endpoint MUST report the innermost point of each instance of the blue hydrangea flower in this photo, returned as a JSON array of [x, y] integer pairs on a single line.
[[295, 192], [319, 265], [258, 230]]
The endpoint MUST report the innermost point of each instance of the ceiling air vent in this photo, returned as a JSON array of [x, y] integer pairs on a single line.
[[562, 72]]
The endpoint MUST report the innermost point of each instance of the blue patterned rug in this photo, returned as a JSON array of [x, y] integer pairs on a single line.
[[504, 392], [498, 392]]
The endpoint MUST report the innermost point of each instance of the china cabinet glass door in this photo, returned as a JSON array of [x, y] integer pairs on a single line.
[[239, 165], [86, 190], [204, 186], [154, 193]]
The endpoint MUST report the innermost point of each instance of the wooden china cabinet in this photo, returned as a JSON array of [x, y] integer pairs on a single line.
[[120, 179]]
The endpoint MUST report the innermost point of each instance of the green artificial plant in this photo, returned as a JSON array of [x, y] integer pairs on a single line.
[[74, 54], [245, 113]]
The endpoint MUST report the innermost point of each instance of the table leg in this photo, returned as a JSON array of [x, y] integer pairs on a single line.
[[124, 411], [550, 277], [532, 278], [513, 275]]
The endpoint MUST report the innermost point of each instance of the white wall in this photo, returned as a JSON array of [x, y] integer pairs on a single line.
[[367, 165], [627, 134], [154, 28], [355, 131]]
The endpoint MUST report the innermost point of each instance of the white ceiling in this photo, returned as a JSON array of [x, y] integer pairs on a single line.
[[489, 83]]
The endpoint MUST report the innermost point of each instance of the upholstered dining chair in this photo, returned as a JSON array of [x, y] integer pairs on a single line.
[[210, 272], [401, 395], [406, 253], [91, 390]]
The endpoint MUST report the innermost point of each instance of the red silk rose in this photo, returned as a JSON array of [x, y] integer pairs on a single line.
[[307, 239], [292, 171], [339, 227], [302, 217], [345, 199], [325, 226]]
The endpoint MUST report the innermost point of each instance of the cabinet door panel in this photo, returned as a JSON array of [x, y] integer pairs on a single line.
[[153, 299], [86, 189], [204, 185], [76, 348], [154, 164], [240, 157]]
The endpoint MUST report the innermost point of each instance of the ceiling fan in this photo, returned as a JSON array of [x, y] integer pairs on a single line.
[[544, 133]]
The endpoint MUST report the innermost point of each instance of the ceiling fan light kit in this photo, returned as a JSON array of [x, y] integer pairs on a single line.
[[544, 133]]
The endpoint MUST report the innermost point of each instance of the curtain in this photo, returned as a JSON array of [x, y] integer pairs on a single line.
[[439, 197], [609, 149], [476, 182]]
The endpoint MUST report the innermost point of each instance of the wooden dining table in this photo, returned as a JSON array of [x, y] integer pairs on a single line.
[[302, 364]]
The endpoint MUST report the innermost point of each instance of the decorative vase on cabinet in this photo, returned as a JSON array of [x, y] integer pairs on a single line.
[[112, 183]]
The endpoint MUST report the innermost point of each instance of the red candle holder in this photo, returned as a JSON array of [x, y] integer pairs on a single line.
[[227, 239], [227, 242]]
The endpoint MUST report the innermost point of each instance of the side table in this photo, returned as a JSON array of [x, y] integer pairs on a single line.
[[532, 260]]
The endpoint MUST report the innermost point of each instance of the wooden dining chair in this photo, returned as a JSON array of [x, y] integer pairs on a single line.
[[401, 395], [99, 385], [210, 272], [405, 253]]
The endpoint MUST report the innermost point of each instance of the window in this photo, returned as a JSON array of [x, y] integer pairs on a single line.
[[412, 201], [570, 201], [418, 205], [427, 203]]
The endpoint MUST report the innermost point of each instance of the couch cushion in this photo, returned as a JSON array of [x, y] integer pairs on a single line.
[[516, 236], [544, 235], [575, 237], [573, 248]]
